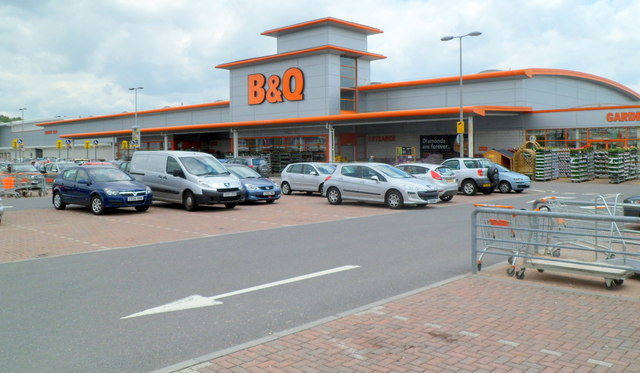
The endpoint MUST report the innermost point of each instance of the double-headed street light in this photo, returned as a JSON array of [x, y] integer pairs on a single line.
[[461, 122]]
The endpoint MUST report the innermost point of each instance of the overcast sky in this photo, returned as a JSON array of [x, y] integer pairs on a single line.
[[76, 58]]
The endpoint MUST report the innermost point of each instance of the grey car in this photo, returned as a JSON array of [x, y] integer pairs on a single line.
[[305, 177], [474, 174], [257, 163], [377, 183]]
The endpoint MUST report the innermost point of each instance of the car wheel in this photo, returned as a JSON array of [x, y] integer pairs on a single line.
[[446, 198], [142, 208], [505, 187], [58, 204], [286, 188], [229, 205], [189, 201], [469, 188], [97, 207], [333, 196], [394, 199]]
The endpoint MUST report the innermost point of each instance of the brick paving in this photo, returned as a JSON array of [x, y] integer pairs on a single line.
[[475, 324]]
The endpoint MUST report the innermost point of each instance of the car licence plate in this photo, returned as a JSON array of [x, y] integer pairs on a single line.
[[229, 194], [486, 185], [451, 180], [269, 193], [136, 198]]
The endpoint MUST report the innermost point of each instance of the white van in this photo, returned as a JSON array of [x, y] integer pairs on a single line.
[[189, 178]]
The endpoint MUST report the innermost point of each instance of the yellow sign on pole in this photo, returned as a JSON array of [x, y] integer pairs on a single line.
[[59, 144], [460, 127], [14, 143], [87, 144], [125, 144]]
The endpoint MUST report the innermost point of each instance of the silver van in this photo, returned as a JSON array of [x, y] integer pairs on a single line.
[[189, 178]]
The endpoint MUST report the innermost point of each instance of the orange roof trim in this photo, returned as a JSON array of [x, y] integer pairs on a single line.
[[368, 29], [301, 52], [479, 110], [128, 114], [528, 73]]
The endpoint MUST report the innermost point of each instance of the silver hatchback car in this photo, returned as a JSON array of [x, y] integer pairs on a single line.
[[377, 183], [305, 177], [440, 176]]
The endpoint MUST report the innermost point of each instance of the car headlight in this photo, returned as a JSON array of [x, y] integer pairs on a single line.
[[251, 187], [148, 190], [111, 192]]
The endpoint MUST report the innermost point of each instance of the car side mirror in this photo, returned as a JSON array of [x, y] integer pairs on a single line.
[[375, 178], [178, 173], [313, 173]]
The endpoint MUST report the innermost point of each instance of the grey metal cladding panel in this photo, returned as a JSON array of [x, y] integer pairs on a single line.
[[319, 36]]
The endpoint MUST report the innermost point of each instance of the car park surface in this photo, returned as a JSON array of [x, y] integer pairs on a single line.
[[257, 187], [305, 177], [441, 176], [377, 183], [100, 188]]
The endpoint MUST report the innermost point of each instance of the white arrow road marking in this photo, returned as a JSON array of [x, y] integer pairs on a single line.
[[197, 301]]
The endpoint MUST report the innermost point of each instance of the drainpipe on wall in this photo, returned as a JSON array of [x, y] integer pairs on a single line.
[[470, 152], [330, 145]]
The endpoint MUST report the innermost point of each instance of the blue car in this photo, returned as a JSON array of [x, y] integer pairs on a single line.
[[101, 188], [258, 188], [511, 180]]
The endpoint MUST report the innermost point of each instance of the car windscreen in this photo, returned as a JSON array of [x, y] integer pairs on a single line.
[[393, 172], [108, 174], [203, 166], [244, 172], [326, 169], [62, 166], [23, 168]]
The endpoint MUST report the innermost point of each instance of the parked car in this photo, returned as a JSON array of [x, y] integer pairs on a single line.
[[474, 174], [27, 178], [53, 169], [100, 188], [377, 183], [441, 176], [257, 187], [189, 178], [305, 177], [125, 166], [511, 180], [260, 164], [631, 206]]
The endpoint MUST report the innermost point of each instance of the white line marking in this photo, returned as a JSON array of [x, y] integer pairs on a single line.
[[197, 301]]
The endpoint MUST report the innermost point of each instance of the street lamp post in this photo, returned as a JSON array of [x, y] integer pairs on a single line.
[[135, 130], [447, 38], [22, 129]]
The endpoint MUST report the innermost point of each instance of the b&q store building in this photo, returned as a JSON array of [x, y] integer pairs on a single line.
[[314, 100]]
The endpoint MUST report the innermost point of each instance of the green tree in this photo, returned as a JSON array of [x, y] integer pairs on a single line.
[[5, 119]]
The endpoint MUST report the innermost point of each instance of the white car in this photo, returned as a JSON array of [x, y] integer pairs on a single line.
[[305, 177], [377, 183], [441, 176]]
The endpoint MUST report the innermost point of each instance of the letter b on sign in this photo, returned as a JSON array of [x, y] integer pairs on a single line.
[[289, 88]]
